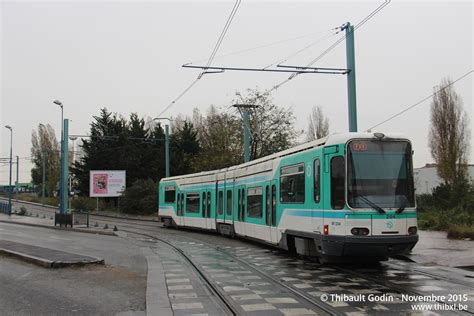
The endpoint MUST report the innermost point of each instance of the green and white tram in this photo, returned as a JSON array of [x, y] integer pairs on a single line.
[[346, 195]]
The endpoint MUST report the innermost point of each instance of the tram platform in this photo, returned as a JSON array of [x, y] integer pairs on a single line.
[[45, 257]]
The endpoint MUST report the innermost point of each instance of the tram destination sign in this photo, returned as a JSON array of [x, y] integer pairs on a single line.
[[106, 183]]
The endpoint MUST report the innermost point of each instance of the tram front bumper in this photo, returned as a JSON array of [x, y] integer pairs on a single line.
[[372, 246]]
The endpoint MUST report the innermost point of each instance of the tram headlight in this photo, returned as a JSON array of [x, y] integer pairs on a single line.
[[412, 230], [360, 231]]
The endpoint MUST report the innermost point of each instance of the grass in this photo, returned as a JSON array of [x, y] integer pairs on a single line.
[[457, 222]]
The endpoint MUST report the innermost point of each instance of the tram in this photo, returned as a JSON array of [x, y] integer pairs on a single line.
[[345, 195]]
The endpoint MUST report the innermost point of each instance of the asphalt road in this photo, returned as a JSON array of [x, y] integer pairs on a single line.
[[118, 287]]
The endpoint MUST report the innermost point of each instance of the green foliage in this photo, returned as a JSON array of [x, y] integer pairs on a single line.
[[185, 148], [120, 144], [84, 203], [448, 206], [140, 198]]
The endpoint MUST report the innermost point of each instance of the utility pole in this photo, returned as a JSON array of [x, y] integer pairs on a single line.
[[351, 76], [243, 108]]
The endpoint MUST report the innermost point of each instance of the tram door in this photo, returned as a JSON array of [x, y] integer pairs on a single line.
[[240, 214], [317, 198], [273, 212]]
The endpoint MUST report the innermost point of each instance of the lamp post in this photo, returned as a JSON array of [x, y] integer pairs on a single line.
[[57, 102], [10, 181], [167, 145]]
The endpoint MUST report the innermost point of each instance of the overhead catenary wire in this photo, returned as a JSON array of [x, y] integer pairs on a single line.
[[216, 48], [221, 37], [330, 48], [245, 50], [420, 101]]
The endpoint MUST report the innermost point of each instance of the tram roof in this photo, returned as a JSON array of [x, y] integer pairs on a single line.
[[333, 139]]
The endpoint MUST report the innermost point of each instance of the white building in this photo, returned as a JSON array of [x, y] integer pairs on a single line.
[[426, 178]]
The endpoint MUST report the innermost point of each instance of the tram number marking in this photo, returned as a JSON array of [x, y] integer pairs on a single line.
[[359, 146], [308, 171], [391, 216]]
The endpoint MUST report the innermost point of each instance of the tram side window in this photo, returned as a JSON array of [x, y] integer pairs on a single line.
[[229, 202], [254, 202], [192, 202], [317, 181], [337, 182], [208, 204], [170, 194], [292, 184], [220, 203], [204, 204]]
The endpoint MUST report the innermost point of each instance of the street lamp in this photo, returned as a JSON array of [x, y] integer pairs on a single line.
[[10, 182], [167, 145], [61, 178]]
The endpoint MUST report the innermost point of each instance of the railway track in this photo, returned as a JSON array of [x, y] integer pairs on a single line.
[[315, 305]]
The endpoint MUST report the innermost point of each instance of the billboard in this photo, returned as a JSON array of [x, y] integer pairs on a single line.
[[106, 183]]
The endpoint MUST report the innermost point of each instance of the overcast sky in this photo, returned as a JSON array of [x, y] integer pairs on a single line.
[[127, 56]]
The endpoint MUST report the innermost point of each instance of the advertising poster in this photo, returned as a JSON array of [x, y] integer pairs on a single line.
[[107, 183]]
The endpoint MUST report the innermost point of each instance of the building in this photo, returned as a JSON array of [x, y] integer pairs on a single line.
[[426, 178]]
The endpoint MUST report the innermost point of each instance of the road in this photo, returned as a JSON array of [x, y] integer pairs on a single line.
[[207, 273]]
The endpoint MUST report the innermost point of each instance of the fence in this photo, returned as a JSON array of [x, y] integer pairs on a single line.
[[80, 218]]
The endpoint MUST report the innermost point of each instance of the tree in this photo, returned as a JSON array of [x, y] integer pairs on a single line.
[[220, 134], [271, 126], [449, 134], [140, 197], [184, 148], [318, 124], [45, 147], [120, 144]]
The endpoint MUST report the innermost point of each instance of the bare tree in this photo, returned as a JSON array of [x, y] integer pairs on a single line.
[[318, 124], [45, 148], [272, 127], [449, 134]]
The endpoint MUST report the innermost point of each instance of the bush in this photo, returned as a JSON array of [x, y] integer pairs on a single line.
[[140, 198], [83, 203], [448, 208], [22, 211], [461, 231]]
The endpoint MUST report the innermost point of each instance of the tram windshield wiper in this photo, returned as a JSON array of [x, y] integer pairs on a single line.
[[372, 204], [401, 208]]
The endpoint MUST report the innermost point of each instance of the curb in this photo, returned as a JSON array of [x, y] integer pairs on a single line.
[[45, 263], [157, 299], [78, 230]]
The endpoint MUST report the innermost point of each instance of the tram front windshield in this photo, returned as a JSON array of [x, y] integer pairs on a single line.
[[379, 174]]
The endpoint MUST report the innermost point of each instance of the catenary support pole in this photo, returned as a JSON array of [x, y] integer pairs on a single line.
[[351, 77], [167, 150], [43, 188], [245, 115], [17, 183], [64, 169]]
